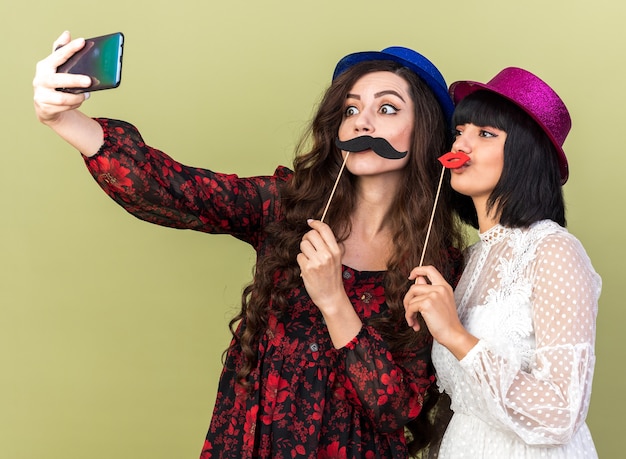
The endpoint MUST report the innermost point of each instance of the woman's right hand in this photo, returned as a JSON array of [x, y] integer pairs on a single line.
[[57, 109], [50, 104]]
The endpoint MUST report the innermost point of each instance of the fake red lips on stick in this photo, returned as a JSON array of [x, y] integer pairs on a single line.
[[451, 160]]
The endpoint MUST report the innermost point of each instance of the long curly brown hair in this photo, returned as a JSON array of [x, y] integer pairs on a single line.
[[315, 170]]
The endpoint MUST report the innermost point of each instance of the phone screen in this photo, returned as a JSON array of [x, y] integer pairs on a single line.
[[100, 59]]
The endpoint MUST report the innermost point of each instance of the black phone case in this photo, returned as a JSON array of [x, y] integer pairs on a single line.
[[100, 59]]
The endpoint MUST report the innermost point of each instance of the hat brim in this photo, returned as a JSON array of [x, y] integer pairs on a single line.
[[440, 92], [459, 90]]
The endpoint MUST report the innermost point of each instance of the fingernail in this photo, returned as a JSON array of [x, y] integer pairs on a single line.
[[87, 95]]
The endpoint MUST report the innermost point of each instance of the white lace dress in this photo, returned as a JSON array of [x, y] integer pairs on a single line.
[[531, 297]]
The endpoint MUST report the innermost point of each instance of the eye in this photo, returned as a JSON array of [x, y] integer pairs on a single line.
[[487, 133], [456, 132], [388, 109], [351, 110]]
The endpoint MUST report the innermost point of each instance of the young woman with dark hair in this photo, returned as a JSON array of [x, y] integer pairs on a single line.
[[520, 199], [514, 343], [322, 362]]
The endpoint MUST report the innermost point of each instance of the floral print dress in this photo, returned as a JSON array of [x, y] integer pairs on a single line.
[[308, 399]]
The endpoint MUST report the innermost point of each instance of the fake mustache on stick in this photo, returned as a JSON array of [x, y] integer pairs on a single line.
[[366, 142], [378, 145]]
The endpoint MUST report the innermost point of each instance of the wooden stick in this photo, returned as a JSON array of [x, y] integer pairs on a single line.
[[332, 193], [432, 216]]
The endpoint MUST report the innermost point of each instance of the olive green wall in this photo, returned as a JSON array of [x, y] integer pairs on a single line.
[[111, 329]]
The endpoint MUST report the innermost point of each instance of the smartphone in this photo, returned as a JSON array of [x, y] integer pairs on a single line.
[[100, 59]]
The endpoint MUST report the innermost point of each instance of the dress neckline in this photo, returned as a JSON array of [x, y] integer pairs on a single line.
[[362, 272], [494, 234]]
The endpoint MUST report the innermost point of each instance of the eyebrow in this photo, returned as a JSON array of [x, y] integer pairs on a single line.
[[377, 95], [382, 93]]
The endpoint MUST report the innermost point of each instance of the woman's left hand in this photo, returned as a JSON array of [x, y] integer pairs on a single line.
[[433, 298]]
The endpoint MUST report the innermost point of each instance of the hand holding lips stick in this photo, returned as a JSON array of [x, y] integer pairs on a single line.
[[451, 160]]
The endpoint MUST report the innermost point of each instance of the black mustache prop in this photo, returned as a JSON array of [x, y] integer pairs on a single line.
[[379, 145]]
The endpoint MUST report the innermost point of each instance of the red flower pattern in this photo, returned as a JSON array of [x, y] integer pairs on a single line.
[[372, 297], [110, 171]]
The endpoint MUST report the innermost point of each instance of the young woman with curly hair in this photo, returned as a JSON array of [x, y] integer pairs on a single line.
[[322, 362]]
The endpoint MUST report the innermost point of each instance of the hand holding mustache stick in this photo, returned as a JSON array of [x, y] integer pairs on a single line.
[[378, 145]]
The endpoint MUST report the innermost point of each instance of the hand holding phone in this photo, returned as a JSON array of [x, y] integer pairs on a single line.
[[100, 59]]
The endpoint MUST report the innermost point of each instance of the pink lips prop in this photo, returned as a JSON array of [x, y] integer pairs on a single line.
[[453, 160]]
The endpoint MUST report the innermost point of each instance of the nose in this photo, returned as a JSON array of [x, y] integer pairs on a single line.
[[363, 123], [462, 143]]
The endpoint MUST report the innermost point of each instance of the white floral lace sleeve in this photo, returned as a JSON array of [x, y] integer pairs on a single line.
[[532, 301]]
